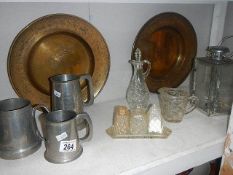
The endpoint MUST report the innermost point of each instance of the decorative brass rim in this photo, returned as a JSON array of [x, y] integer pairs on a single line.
[[169, 42], [56, 44]]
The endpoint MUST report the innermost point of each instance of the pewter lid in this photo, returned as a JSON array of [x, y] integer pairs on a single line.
[[217, 52]]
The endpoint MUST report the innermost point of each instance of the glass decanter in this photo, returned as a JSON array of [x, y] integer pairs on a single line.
[[137, 94]]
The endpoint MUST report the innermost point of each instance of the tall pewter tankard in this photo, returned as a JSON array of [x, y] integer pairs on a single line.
[[61, 137], [66, 93], [19, 134]]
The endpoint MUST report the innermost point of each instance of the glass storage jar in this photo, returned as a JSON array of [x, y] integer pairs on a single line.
[[212, 81]]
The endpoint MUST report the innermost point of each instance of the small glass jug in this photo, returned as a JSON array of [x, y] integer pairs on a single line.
[[175, 103], [137, 94]]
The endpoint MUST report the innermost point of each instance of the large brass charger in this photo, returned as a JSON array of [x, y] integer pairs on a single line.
[[169, 42], [56, 44]]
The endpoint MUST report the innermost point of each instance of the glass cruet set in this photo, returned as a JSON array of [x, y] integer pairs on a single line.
[[174, 103], [211, 89]]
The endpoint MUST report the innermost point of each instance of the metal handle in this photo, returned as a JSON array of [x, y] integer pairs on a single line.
[[146, 73], [89, 128], [224, 39], [192, 104], [34, 109], [87, 77]]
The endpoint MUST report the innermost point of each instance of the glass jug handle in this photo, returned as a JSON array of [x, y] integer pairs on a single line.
[[87, 77], [192, 104], [146, 73]]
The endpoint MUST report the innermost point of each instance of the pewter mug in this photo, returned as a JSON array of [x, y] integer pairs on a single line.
[[61, 137], [18, 131], [66, 93]]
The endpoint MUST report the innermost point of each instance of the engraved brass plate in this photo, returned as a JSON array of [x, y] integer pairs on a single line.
[[56, 44]]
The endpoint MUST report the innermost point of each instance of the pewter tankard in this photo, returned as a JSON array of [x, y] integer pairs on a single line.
[[66, 93], [61, 138], [18, 131]]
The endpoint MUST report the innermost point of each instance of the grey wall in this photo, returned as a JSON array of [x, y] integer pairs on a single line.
[[118, 23]]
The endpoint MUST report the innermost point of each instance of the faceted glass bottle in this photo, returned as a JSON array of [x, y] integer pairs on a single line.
[[137, 94]]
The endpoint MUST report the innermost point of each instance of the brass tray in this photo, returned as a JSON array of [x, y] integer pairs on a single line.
[[169, 42], [166, 132], [56, 44]]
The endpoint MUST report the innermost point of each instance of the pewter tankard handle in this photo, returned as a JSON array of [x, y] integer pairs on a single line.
[[89, 128], [34, 109], [87, 77]]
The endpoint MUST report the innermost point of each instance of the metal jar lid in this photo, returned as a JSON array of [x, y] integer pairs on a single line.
[[217, 52]]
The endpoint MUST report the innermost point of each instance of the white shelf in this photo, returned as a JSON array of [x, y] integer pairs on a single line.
[[194, 141]]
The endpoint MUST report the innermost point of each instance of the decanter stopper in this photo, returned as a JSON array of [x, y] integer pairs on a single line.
[[138, 54]]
